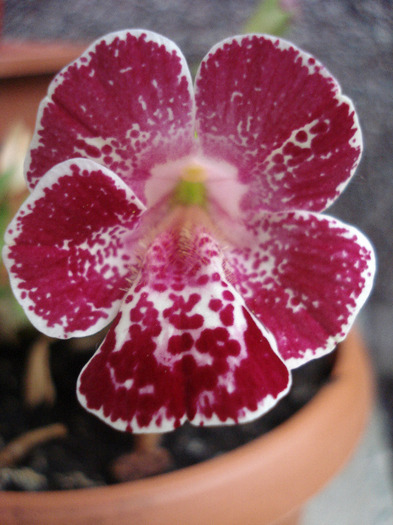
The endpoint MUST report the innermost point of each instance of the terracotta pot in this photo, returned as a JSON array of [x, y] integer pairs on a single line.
[[264, 482], [26, 68]]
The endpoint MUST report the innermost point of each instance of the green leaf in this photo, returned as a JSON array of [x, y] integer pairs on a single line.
[[5, 180], [269, 18]]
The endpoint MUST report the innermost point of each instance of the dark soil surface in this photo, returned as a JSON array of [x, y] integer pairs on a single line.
[[82, 458]]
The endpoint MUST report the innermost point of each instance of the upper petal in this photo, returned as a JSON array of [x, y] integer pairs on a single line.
[[68, 248], [279, 117], [126, 103], [183, 347], [305, 276]]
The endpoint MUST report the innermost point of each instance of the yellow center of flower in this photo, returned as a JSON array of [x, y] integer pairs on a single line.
[[194, 173]]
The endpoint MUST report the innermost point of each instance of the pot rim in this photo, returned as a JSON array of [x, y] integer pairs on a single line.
[[269, 465]]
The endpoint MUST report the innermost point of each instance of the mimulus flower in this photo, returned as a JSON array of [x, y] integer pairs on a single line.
[[192, 223]]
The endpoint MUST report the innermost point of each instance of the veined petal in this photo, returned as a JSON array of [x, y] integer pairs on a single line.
[[278, 116], [183, 347], [68, 248], [126, 103], [305, 276]]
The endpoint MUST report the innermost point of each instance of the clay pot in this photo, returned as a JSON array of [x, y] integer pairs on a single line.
[[26, 68], [264, 482]]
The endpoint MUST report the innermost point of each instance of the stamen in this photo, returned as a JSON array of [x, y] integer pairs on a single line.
[[194, 173]]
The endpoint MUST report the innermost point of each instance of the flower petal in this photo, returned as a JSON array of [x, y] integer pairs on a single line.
[[276, 114], [184, 346], [68, 254], [305, 277], [126, 103]]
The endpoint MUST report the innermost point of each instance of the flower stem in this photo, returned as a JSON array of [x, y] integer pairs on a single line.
[[22, 445]]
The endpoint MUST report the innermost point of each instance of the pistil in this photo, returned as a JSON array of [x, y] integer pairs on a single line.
[[191, 189]]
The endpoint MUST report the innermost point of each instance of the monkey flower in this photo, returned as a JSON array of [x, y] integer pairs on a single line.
[[190, 219]]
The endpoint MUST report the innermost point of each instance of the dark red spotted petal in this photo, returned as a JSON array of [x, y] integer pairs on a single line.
[[183, 347], [278, 116], [305, 276], [127, 103], [68, 250]]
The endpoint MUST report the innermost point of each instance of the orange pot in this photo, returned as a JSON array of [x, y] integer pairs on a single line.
[[26, 68], [264, 482]]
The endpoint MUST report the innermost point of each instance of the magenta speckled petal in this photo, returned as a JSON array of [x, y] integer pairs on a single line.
[[183, 347], [126, 103], [305, 276], [232, 277], [68, 248], [279, 117]]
